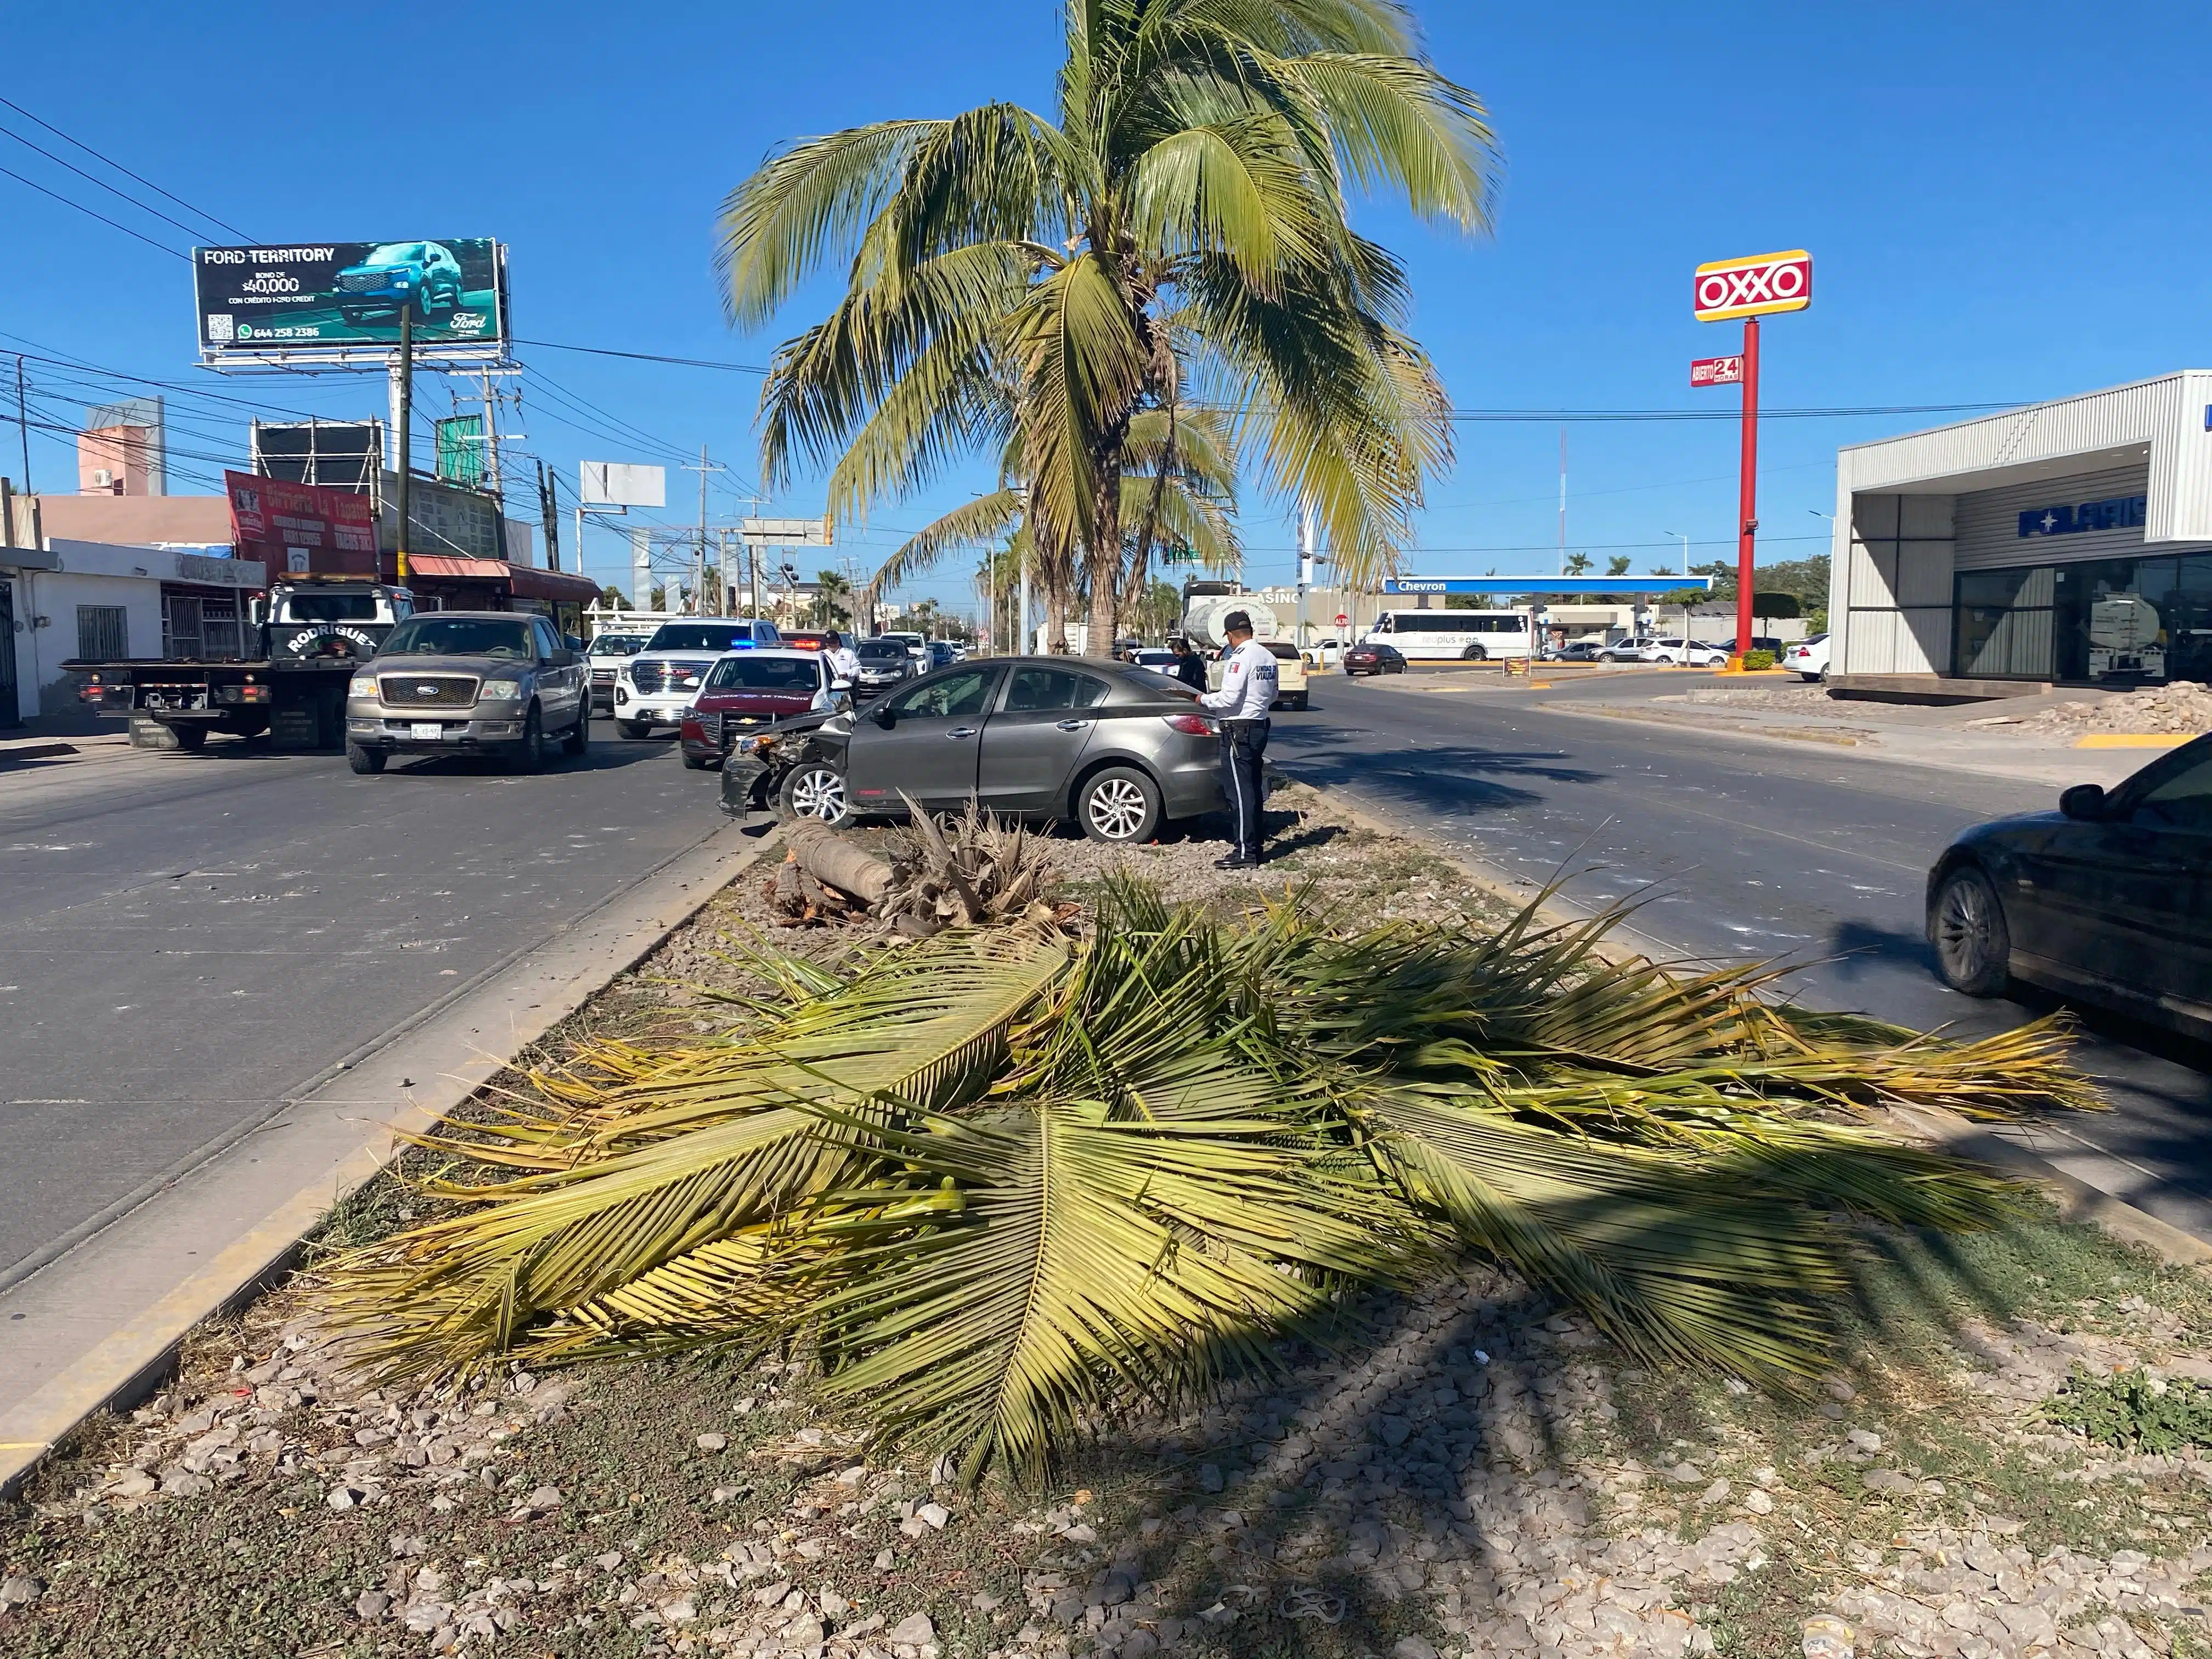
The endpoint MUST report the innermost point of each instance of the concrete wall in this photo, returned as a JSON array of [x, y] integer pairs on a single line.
[[134, 520], [1889, 598], [47, 603]]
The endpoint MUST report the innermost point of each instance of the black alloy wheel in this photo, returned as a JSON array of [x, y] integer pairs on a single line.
[[1973, 946]]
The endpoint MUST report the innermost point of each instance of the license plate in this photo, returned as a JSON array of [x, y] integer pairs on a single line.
[[426, 731]]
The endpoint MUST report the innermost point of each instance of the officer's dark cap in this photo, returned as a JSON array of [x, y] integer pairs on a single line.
[[1237, 622]]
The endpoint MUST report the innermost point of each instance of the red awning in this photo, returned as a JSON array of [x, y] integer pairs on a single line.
[[444, 564], [556, 587]]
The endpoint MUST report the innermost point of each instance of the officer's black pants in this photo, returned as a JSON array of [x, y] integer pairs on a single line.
[[1244, 745]]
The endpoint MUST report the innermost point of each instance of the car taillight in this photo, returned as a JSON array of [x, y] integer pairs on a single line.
[[1195, 725]]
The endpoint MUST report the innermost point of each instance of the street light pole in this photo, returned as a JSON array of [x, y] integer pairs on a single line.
[[406, 421]]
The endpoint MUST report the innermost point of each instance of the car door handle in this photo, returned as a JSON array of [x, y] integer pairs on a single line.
[[1072, 726], [962, 731]]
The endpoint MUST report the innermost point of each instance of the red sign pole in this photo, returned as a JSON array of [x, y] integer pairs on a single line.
[[1748, 493]]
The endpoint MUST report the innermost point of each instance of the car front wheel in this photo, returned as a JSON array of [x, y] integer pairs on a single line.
[[529, 755], [1973, 946], [1120, 806], [365, 761], [635, 728], [816, 791]]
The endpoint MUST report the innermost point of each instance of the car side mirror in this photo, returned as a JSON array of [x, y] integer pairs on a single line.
[[886, 717], [564, 659], [2085, 803]]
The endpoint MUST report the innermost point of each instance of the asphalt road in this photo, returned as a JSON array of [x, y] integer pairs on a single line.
[[186, 941], [1744, 849]]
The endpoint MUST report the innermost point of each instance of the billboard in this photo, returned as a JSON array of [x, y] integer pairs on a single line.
[[1754, 287], [299, 526], [619, 483], [327, 296]]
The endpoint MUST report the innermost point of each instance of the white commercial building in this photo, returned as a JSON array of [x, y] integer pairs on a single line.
[[73, 600], [2068, 541]]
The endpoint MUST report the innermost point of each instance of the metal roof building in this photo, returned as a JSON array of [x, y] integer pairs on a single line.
[[2065, 541]]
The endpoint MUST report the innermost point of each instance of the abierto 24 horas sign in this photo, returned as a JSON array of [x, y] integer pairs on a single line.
[[313, 297]]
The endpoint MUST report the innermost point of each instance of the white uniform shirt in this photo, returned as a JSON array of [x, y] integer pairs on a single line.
[[1249, 678], [843, 663]]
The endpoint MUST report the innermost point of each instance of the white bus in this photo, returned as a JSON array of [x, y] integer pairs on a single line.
[[1454, 635]]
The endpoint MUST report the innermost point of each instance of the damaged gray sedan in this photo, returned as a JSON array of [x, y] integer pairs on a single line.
[[1119, 750]]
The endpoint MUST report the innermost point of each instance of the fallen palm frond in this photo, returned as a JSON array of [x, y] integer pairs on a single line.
[[999, 1183]]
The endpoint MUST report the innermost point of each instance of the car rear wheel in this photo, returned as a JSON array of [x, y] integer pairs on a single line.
[[1119, 806], [1972, 944], [1474, 653], [815, 790]]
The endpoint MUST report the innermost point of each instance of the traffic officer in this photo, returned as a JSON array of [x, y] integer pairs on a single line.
[[844, 664], [1249, 676]]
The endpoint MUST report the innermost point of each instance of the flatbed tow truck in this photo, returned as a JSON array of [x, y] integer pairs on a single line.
[[305, 635]]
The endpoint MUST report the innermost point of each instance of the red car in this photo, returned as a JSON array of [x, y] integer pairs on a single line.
[[749, 688], [1373, 657]]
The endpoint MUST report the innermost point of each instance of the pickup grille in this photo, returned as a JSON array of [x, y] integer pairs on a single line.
[[603, 677], [648, 677], [427, 690]]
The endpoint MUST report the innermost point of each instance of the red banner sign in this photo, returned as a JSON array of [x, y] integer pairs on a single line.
[[1754, 287], [1717, 371], [298, 526]]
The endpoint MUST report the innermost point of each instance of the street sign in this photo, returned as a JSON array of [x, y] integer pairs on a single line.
[[1341, 619], [786, 532], [1717, 371], [621, 483], [1753, 287]]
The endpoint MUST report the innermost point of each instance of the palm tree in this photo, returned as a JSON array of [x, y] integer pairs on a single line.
[[1183, 491], [1175, 235], [832, 607], [1003, 1184]]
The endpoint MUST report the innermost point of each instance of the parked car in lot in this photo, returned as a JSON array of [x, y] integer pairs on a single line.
[[1808, 658], [883, 662], [1687, 653], [1372, 657], [1766, 642], [655, 686], [468, 682], [2105, 899], [1119, 750], [750, 688], [1624, 651], [1578, 651]]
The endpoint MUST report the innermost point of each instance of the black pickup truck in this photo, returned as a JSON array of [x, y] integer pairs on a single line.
[[303, 640]]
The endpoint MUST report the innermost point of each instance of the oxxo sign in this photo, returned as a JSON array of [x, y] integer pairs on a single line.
[[1756, 286]]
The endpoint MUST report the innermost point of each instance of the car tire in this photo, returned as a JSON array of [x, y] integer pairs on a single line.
[[367, 761], [816, 790], [1302, 702], [635, 729], [1809, 679], [580, 736], [528, 757], [1119, 806], [1967, 925], [701, 762], [1474, 653]]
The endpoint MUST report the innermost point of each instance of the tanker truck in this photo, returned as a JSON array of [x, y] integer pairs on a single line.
[[1205, 603]]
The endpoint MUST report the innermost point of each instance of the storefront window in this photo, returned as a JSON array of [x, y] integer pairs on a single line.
[[2126, 620]]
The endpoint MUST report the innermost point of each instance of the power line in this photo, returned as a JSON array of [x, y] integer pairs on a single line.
[[199, 212], [647, 357], [121, 195], [162, 247]]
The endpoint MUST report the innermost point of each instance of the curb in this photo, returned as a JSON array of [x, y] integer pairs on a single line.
[[132, 1355], [2077, 1200], [2132, 740]]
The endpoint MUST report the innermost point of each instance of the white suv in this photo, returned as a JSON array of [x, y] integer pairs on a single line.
[[654, 687], [1687, 653]]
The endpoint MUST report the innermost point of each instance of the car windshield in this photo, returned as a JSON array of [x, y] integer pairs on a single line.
[[395, 253], [618, 644], [881, 651], [460, 637], [702, 636], [330, 607], [785, 674]]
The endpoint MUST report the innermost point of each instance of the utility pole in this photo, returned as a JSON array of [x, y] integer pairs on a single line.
[[1305, 565], [23, 425], [699, 563], [1563, 500], [407, 420], [549, 515]]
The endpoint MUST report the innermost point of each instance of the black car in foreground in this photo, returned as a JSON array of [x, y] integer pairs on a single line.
[[2108, 899]]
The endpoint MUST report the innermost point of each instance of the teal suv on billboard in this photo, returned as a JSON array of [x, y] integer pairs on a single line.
[[397, 275]]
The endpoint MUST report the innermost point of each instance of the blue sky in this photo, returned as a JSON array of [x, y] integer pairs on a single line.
[[2001, 205]]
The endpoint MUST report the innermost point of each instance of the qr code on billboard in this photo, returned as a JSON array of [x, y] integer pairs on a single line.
[[218, 327]]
